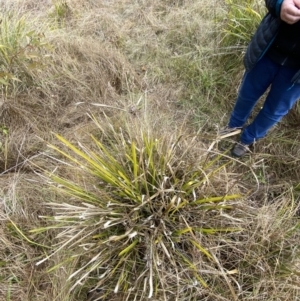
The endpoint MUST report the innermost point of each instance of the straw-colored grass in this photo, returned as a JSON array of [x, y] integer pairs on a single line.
[[149, 72]]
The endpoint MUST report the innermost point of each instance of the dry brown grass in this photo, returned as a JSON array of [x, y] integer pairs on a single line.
[[140, 64]]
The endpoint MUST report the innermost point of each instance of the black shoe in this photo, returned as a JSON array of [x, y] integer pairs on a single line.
[[229, 131], [240, 150]]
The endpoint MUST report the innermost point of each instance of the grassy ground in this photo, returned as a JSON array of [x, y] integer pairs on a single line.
[[152, 81]]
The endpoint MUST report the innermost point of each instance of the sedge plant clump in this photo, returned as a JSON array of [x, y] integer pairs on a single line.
[[144, 219]]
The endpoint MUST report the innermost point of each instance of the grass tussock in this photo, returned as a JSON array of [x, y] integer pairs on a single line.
[[138, 202], [146, 213]]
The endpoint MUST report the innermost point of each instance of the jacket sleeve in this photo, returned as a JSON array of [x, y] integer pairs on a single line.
[[274, 7]]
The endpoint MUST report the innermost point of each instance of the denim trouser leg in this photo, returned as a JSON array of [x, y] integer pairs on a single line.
[[282, 96], [253, 86]]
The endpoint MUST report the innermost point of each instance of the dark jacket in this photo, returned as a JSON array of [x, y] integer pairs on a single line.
[[265, 35]]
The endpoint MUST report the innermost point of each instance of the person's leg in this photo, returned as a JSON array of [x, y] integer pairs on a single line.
[[282, 96], [255, 83]]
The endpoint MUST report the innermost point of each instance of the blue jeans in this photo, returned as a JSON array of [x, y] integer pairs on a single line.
[[280, 99]]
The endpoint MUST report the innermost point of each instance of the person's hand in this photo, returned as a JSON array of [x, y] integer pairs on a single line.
[[290, 11]]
